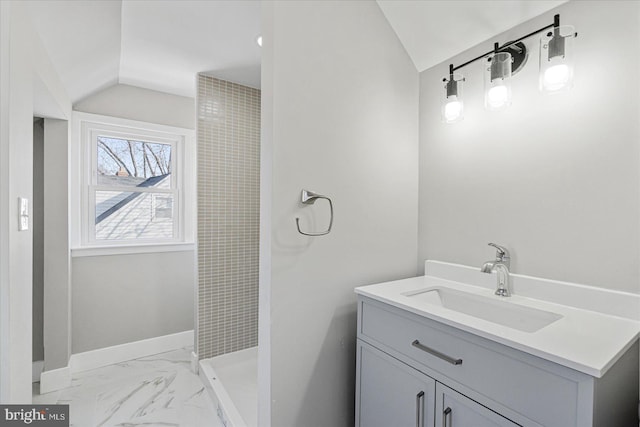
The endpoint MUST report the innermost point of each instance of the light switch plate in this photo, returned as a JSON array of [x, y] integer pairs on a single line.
[[23, 214]]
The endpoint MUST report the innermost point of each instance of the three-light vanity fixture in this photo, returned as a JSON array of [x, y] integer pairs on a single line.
[[556, 70]]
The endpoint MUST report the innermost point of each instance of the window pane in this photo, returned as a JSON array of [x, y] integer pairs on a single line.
[[162, 207], [123, 162], [134, 215]]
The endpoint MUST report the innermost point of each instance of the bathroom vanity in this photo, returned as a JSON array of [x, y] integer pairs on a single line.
[[442, 350]]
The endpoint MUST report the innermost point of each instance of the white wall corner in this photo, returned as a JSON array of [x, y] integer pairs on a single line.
[[5, 327], [36, 371], [54, 380]]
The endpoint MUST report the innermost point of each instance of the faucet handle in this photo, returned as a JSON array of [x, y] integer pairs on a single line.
[[502, 254]]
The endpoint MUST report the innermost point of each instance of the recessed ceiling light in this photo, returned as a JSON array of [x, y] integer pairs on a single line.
[[259, 41]]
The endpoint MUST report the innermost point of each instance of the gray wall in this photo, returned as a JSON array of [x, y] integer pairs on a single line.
[[38, 239], [228, 216], [553, 178], [340, 119], [57, 268], [122, 298]]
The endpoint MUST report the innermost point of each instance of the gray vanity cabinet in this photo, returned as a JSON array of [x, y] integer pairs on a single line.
[[483, 383], [392, 394], [456, 410]]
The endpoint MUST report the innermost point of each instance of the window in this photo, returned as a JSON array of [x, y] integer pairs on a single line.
[[162, 207], [133, 190], [131, 176]]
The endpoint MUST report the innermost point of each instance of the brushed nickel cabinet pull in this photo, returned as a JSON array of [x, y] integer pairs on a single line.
[[419, 406], [445, 414], [436, 353]]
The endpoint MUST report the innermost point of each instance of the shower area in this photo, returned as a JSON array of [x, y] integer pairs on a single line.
[[228, 138]]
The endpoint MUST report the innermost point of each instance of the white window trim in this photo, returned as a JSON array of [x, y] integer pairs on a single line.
[[132, 249], [83, 162]]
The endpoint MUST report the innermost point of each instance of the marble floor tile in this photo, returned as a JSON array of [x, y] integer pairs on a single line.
[[158, 391]]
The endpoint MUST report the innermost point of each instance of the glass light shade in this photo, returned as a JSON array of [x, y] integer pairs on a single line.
[[556, 60], [453, 111], [497, 82], [452, 108]]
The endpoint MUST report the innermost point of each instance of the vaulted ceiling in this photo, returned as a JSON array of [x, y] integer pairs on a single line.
[[159, 45], [162, 45]]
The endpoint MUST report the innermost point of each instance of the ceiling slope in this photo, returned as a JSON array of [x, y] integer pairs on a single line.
[[158, 45], [165, 43], [434, 31], [82, 39], [162, 45]]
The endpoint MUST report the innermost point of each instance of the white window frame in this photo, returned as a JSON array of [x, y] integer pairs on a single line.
[[86, 129]]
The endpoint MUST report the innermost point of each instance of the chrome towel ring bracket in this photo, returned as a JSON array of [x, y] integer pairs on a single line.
[[309, 198]]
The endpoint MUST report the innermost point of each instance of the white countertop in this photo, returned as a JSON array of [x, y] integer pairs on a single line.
[[585, 340]]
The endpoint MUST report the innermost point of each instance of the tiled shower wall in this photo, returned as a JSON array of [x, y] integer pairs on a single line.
[[228, 216]]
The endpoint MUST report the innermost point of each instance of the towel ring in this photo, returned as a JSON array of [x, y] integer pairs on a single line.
[[309, 198]]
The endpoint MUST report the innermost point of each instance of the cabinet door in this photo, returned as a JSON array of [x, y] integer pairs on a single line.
[[455, 410], [390, 393]]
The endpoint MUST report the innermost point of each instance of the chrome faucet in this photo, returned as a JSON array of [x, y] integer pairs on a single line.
[[501, 266]]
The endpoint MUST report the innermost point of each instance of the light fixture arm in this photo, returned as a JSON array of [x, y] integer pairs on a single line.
[[498, 48], [556, 44], [452, 84]]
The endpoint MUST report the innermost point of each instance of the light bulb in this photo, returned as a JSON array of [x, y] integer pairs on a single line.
[[556, 77], [498, 96], [453, 111], [259, 41], [452, 104]]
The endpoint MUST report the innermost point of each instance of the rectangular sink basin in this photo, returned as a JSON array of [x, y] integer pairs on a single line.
[[502, 312]]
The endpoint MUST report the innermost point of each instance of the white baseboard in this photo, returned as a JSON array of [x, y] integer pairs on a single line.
[[133, 350], [36, 369], [55, 379]]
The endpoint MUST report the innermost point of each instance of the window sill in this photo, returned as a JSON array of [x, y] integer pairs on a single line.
[[131, 249]]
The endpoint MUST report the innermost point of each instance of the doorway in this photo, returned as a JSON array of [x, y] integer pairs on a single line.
[[37, 210]]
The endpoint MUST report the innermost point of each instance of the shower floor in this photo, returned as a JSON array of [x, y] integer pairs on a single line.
[[232, 382]]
